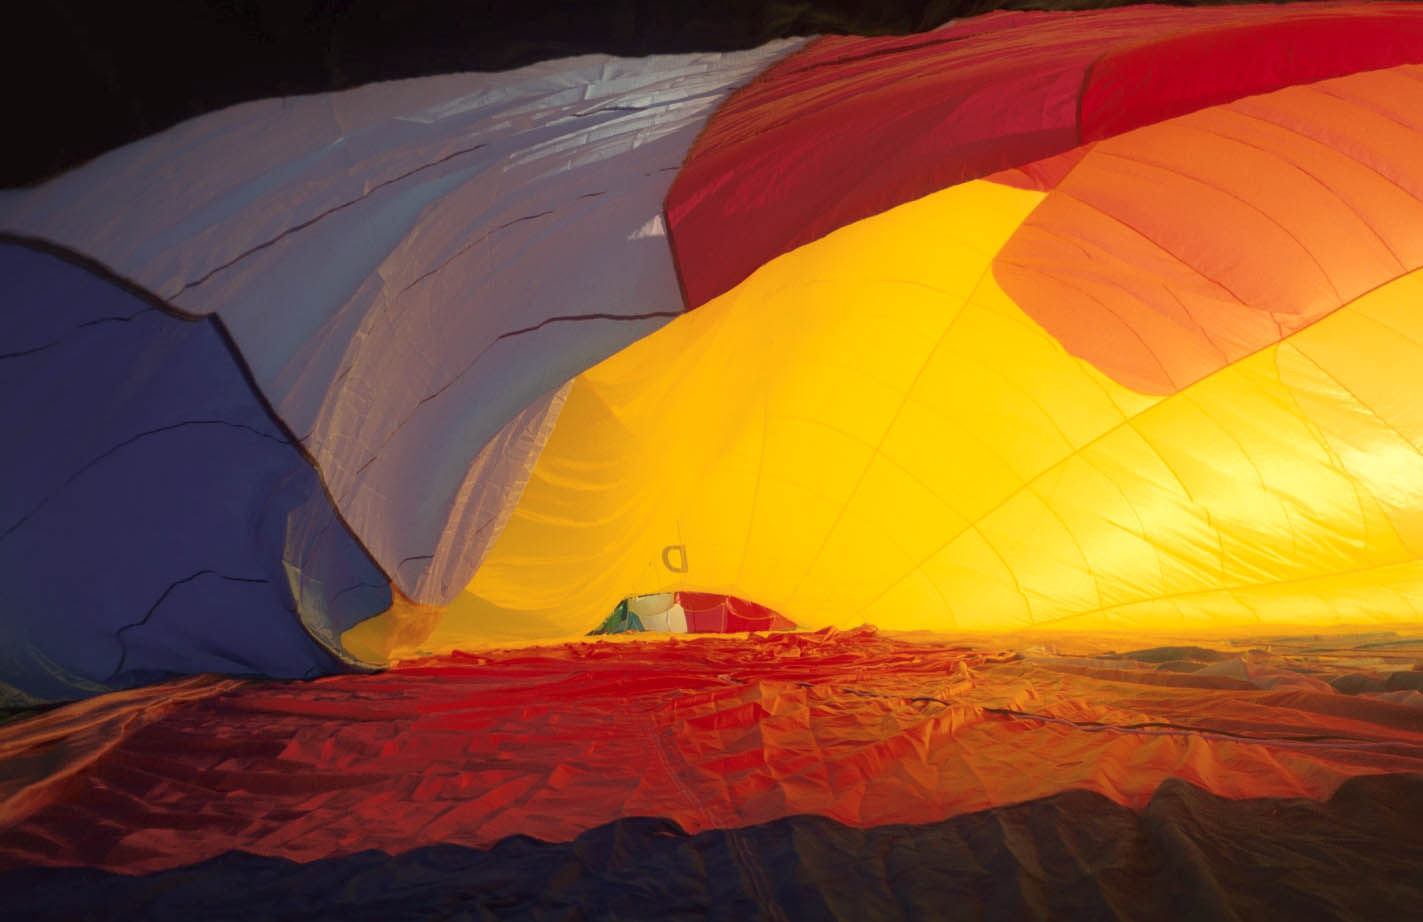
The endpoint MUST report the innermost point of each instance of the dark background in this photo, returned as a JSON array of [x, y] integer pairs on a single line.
[[89, 75]]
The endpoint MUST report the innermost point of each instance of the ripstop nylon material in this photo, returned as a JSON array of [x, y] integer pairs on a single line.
[[870, 430]]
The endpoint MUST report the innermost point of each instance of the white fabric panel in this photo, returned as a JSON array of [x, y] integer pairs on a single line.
[[648, 606], [410, 265], [673, 620]]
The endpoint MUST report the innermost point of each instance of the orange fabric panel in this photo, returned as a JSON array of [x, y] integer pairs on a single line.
[[712, 732], [1175, 249]]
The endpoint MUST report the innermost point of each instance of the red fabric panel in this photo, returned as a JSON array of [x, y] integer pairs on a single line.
[[1171, 76], [711, 732], [703, 617], [710, 613], [850, 127]]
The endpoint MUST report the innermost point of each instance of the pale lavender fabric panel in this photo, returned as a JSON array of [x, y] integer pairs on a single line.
[[479, 512], [407, 266]]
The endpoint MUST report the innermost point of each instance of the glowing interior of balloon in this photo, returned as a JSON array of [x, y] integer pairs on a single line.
[[870, 430]]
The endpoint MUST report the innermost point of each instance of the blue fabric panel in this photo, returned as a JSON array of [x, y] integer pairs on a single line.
[[154, 518]]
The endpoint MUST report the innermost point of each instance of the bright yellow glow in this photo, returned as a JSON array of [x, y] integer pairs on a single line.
[[869, 430]]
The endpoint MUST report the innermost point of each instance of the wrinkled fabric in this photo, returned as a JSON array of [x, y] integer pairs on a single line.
[[155, 518], [1076, 855], [407, 267], [709, 733]]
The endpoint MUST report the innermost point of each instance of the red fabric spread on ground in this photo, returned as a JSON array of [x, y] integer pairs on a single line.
[[710, 732], [850, 127]]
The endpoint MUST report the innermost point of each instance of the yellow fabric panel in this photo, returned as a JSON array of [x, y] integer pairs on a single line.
[[868, 429], [1356, 375], [399, 631]]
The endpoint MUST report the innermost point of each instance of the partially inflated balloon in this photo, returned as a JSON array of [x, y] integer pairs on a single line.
[[1091, 320], [1075, 355], [1164, 376]]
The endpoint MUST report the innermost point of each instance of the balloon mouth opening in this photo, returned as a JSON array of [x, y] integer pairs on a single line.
[[691, 613]]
